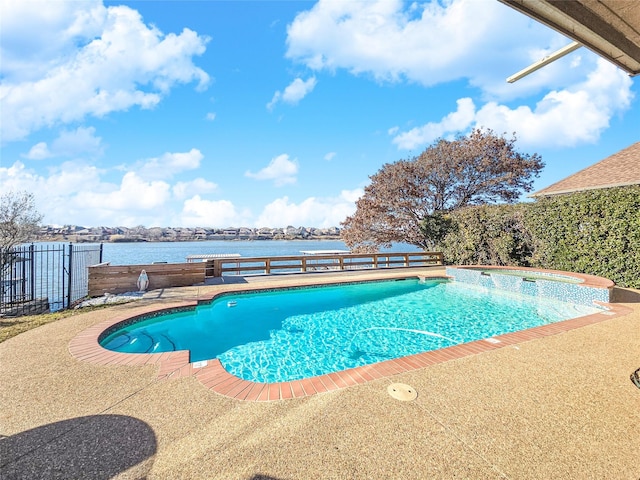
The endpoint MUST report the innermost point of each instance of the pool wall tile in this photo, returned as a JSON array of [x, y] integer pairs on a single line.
[[557, 287]]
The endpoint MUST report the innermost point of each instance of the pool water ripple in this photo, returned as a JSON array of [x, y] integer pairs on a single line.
[[299, 333]]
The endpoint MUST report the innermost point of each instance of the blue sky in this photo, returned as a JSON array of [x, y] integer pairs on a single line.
[[212, 113]]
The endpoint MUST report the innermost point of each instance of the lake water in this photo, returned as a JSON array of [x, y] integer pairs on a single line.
[[176, 252]]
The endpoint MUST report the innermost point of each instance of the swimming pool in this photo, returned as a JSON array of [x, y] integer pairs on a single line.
[[283, 335]]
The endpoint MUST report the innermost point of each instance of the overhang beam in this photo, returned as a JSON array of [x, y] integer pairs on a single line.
[[610, 28], [545, 61]]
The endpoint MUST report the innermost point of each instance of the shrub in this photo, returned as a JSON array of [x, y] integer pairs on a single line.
[[595, 232], [488, 234]]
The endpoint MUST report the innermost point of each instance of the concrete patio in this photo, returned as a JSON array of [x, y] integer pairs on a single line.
[[562, 406]]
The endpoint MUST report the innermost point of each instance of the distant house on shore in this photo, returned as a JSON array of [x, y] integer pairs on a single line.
[[619, 170]]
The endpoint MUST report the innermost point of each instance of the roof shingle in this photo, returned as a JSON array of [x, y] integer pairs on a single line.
[[620, 169]]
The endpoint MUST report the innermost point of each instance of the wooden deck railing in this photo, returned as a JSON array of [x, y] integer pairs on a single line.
[[309, 263], [106, 278]]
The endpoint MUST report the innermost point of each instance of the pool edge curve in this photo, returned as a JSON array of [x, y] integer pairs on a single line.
[[211, 374]]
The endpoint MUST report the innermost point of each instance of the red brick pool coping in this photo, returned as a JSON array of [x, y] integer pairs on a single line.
[[211, 373]]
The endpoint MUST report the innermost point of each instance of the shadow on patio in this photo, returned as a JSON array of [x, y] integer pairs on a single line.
[[92, 447]]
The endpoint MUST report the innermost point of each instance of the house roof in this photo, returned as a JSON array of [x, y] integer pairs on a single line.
[[610, 28], [620, 169]]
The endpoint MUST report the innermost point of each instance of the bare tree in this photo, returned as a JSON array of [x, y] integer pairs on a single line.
[[406, 200], [19, 221]]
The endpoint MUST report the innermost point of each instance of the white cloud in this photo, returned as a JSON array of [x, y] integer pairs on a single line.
[[87, 45], [182, 190], [562, 118], [17, 177], [70, 179], [51, 200], [352, 196], [169, 164], [133, 202], [39, 151], [133, 194], [298, 89], [280, 169], [37, 36], [219, 213], [295, 91], [566, 117], [76, 193], [330, 156], [427, 43], [66, 179], [319, 212], [81, 141], [457, 121], [211, 116]]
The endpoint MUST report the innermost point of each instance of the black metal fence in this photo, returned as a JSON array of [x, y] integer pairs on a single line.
[[45, 277]]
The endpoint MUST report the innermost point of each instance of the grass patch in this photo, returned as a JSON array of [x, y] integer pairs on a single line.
[[12, 326]]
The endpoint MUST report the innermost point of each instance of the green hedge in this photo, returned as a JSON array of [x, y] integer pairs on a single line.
[[488, 235], [595, 232]]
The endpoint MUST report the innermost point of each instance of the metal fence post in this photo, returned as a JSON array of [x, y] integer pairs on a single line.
[[35, 275], [32, 273], [70, 276]]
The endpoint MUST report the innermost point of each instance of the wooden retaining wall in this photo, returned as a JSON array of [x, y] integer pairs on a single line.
[[105, 278]]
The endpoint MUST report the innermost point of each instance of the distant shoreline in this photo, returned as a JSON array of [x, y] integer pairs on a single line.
[[81, 239], [77, 234]]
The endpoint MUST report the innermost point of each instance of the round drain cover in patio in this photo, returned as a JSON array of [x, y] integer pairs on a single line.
[[402, 392], [635, 378]]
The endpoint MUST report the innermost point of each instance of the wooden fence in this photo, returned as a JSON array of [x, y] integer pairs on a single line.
[[115, 279], [105, 278], [314, 263]]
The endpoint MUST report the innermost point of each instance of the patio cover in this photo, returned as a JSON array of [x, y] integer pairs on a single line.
[[611, 28]]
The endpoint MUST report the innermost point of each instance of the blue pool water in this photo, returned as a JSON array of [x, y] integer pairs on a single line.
[[283, 335]]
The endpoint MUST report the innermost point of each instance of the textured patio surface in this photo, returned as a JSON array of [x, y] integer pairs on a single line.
[[559, 407]]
